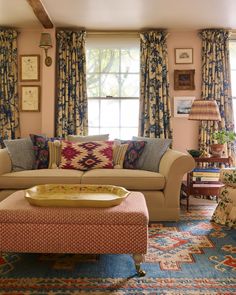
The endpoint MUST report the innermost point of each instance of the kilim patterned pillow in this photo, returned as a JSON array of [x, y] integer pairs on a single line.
[[86, 155]]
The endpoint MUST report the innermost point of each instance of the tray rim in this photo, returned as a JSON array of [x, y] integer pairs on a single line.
[[56, 202]]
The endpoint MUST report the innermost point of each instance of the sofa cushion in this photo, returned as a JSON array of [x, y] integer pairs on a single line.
[[119, 151], [28, 178], [54, 154], [133, 152], [130, 179], [41, 151], [21, 153], [154, 150], [86, 155]]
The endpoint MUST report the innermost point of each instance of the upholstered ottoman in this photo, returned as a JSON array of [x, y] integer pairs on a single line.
[[114, 230]]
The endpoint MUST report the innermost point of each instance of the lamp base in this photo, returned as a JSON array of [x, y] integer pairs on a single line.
[[48, 61]]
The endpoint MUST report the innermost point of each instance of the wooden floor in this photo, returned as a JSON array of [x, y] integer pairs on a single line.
[[199, 201]]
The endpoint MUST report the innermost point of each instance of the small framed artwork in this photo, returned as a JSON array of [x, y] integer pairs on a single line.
[[29, 68], [182, 106], [183, 55], [30, 98], [184, 80]]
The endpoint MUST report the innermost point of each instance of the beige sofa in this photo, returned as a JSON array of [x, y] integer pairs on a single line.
[[161, 190]]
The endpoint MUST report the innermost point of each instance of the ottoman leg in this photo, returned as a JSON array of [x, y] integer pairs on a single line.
[[138, 259]]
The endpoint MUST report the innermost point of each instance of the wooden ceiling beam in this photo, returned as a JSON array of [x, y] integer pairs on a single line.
[[41, 13]]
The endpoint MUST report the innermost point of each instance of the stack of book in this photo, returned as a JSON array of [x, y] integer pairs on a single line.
[[206, 177]]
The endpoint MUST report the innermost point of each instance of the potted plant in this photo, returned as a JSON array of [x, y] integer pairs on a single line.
[[221, 137]]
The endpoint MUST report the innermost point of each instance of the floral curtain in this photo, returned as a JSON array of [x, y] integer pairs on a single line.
[[216, 82], [9, 111], [71, 105], [154, 93]]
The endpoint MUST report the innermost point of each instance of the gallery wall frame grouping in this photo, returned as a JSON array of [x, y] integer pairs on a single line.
[[30, 98], [184, 79], [183, 55], [182, 106], [30, 68]]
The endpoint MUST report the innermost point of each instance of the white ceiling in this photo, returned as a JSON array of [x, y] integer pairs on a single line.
[[124, 14]]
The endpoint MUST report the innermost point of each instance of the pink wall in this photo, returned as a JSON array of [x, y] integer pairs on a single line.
[[28, 43], [42, 121], [185, 132]]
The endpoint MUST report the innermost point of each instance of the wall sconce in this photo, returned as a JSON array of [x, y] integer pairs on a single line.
[[46, 43]]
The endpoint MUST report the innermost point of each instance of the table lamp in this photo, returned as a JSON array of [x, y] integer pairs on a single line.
[[204, 110]]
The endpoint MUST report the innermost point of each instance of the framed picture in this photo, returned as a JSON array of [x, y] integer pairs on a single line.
[[29, 68], [183, 55], [30, 98], [184, 80], [182, 106]]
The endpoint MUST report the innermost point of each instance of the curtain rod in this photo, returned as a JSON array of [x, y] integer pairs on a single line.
[[112, 32], [123, 34]]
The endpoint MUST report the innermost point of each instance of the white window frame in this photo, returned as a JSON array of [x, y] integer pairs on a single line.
[[118, 44]]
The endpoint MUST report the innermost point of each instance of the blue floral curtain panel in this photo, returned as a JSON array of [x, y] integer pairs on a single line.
[[154, 91], [71, 106], [216, 82], [9, 110]]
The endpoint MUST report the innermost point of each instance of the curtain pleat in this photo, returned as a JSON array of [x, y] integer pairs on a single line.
[[71, 105], [9, 104], [154, 119], [216, 83]]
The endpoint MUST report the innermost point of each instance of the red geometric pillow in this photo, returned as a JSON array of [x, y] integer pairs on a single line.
[[86, 155]]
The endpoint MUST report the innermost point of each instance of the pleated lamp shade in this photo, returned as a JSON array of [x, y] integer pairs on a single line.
[[204, 110]]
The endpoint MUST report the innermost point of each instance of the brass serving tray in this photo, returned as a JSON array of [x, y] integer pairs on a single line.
[[75, 195]]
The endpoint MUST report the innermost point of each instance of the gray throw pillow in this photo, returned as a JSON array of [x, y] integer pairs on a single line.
[[21, 153], [154, 150]]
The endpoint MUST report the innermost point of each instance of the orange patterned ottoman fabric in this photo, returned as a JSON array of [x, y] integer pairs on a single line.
[[119, 229], [86, 155]]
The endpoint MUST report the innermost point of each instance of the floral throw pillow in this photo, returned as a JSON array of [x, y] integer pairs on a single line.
[[86, 155], [133, 153], [41, 150]]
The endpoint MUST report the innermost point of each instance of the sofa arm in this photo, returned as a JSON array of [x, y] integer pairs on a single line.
[[173, 166], [5, 162]]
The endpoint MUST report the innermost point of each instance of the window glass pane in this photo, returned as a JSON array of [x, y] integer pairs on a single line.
[[233, 83], [130, 60], [109, 113], [130, 85], [109, 60], [109, 85], [92, 85], [93, 131], [129, 112], [92, 60], [93, 112], [112, 131], [232, 55], [113, 72], [128, 133]]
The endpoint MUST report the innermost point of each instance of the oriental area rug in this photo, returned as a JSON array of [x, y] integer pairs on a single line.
[[192, 256]]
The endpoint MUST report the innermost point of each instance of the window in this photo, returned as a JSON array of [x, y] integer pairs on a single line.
[[232, 50], [113, 88]]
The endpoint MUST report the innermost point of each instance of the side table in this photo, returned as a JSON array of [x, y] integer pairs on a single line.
[[187, 186]]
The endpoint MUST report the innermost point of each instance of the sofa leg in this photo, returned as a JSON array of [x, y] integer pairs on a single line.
[[138, 259]]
